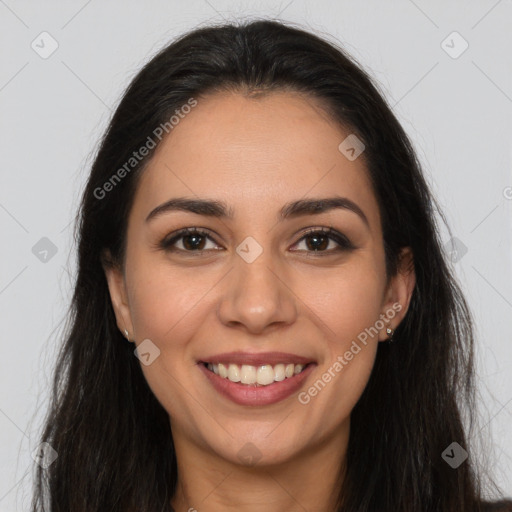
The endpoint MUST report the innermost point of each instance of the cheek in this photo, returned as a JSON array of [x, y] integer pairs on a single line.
[[164, 307], [349, 302], [168, 306], [163, 300], [346, 314]]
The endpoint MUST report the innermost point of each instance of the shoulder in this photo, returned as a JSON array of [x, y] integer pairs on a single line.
[[497, 506]]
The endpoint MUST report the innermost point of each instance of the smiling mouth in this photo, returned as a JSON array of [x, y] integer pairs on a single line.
[[250, 375]]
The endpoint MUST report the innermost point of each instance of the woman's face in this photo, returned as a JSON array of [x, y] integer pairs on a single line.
[[250, 290]]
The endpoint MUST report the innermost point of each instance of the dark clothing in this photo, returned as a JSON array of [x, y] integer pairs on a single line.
[[498, 506]]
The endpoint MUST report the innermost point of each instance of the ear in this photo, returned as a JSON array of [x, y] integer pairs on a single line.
[[398, 294], [118, 296]]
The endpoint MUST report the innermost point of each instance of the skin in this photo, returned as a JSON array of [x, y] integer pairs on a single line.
[[256, 154]]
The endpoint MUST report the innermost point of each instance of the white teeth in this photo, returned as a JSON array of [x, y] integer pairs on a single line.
[[234, 373], [279, 372], [247, 374], [261, 375], [265, 375], [223, 371]]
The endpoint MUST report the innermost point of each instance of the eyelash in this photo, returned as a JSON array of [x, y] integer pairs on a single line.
[[343, 242]]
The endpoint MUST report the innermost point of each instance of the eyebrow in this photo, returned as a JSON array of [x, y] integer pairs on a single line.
[[219, 209]]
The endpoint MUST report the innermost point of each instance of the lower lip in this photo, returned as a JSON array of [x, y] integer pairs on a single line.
[[245, 394]]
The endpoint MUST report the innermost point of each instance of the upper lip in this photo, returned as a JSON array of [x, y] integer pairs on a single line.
[[256, 359]]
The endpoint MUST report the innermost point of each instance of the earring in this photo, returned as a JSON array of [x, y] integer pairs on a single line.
[[390, 332], [126, 335]]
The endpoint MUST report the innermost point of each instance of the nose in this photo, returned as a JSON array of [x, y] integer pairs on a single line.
[[257, 296]]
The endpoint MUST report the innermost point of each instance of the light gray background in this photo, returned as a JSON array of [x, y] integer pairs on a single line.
[[53, 111]]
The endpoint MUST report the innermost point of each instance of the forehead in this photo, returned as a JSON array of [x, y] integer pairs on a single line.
[[255, 154]]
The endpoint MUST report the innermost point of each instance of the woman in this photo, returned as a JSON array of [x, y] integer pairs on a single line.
[[257, 226]]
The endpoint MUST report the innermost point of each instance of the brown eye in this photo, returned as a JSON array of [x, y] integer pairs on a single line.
[[319, 240], [191, 239]]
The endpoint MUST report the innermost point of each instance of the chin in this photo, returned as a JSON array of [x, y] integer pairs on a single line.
[[257, 451]]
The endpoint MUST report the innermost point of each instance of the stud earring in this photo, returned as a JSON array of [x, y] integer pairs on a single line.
[[126, 335], [390, 332]]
